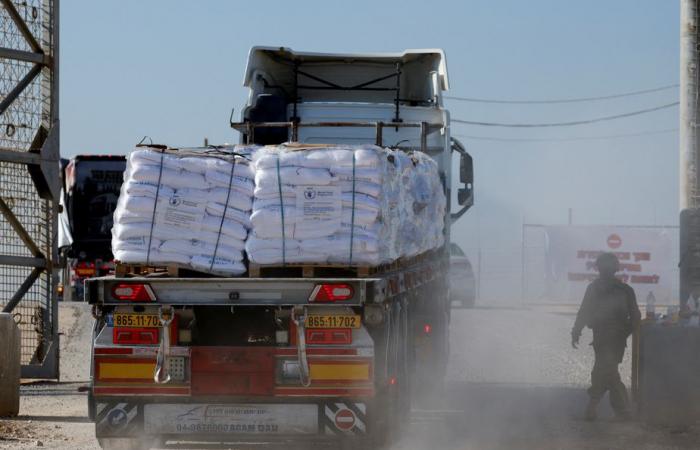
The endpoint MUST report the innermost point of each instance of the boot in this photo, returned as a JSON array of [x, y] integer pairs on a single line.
[[590, 415]]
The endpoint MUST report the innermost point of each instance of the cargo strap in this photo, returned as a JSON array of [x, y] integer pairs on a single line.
[[160, 373], [352, 217], [299, 318], [155, 206], [223, 216], [279, 189]]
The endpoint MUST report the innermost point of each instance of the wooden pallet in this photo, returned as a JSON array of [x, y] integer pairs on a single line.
[[309, 271], [297, 270], [142, 270]]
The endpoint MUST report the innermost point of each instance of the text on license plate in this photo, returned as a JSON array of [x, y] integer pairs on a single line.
[[136, 320], [333, 321]]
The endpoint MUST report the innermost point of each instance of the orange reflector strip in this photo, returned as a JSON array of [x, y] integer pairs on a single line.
[[345, 372], [125, 370]]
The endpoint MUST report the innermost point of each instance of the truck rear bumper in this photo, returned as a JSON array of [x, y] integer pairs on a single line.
[[256, 421]]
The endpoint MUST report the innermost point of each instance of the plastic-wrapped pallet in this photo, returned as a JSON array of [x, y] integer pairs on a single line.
[[341, 204], [185, 207], [424, 204]]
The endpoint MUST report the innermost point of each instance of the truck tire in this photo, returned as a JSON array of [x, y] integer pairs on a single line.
[[469, 300], [391, 407]]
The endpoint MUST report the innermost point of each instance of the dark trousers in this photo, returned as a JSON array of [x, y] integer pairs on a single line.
[[605, 376]]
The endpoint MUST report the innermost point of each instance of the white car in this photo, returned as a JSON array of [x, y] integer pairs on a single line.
[[462, 281]]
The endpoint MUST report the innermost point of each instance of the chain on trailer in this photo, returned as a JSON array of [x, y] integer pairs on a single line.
[[29, 178]]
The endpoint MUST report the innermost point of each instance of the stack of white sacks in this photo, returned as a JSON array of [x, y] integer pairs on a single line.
[[198, 216], [345, 204], [356, 205]]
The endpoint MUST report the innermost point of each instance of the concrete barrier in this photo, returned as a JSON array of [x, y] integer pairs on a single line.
[[9, 366]]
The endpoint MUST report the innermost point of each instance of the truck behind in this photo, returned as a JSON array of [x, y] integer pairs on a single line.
[[301, 352]]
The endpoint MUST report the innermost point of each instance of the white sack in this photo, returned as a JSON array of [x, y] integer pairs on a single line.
[[199, 212]]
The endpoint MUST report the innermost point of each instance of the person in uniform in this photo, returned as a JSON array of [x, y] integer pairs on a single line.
[[610, 309]]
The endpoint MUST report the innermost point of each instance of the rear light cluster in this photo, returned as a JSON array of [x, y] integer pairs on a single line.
[[135, 336], [143, 335], [329, 336], [326, 293], [133, 292]]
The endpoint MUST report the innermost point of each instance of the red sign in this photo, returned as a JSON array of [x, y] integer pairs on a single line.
[[614, 241], [345, 420]]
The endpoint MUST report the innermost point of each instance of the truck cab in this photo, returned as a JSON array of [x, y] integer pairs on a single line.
[[302, 353], [89, 196]]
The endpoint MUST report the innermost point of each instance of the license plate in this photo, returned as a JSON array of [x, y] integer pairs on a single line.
[[333, 321], [85, 272], [136, 320]]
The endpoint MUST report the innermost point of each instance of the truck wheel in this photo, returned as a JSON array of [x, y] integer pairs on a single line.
[[126, 443], [384, 423]]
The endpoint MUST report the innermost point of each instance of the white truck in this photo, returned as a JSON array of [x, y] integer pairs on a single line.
[[301, 353]]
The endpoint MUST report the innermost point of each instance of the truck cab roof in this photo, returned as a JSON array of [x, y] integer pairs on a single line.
[[348, 77]]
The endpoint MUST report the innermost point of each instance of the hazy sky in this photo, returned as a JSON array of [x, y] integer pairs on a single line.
[[173, 70]]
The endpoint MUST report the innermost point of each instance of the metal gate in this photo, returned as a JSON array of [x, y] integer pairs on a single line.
[[29, 178]]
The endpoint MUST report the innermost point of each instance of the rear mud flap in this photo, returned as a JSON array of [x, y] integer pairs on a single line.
[[341, 418]]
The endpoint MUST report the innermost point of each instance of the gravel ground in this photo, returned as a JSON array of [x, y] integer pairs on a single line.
[[513, 383]]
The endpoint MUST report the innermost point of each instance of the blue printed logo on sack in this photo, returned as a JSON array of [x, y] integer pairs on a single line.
[[310, 193]]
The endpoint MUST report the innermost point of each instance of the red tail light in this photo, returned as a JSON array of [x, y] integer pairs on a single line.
[[133, 292], [329, 336], [135, 336], [332, 293], [143, 335]]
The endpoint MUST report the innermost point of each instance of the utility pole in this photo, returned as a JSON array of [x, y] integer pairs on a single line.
[[689, 176], [689, 105]]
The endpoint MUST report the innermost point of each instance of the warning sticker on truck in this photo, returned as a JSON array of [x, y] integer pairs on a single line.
[[238, 419]]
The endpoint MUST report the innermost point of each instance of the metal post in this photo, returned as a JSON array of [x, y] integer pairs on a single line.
[[689, 105], [379, 138], [397, 98], [689, 147]]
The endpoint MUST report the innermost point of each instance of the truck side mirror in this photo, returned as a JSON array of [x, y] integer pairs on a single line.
[[465, 194], [466, 177]]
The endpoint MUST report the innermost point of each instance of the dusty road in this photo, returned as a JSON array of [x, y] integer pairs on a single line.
[[513, 383]]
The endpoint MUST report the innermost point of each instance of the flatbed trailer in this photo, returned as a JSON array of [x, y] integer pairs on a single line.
[[294, 352], [352, 373]]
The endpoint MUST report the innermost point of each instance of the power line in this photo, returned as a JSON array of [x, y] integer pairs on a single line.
[[563, 100], [568, 139], [565, 124]]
